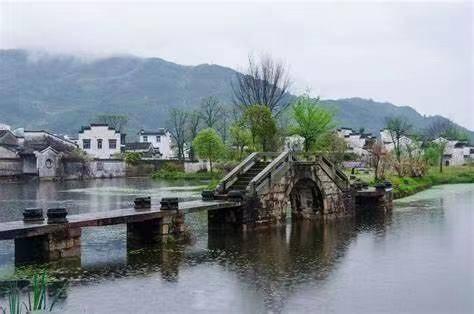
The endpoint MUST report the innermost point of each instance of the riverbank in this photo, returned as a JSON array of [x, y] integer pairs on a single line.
[[181, 175], [403, 187]]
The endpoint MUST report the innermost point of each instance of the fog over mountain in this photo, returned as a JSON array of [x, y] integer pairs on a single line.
[[60, 92]]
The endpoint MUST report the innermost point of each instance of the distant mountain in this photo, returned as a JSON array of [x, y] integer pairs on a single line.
[[61, 93]]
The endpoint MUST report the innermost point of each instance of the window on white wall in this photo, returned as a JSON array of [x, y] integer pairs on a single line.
[[145, 138], [99, 143], [158, 139], [86, 143], [112, 144]]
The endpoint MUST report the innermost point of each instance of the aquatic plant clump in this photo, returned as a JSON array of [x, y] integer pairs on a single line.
[[37, 299]]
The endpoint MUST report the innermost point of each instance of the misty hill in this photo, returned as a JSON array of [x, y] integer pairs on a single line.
[[61, 93]]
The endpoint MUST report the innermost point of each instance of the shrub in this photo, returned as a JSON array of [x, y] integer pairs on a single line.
[[133, 158]]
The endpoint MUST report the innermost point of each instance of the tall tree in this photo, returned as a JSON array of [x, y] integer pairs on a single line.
[[177, 127], [223, 125], [262, 126], [211, 111], [399, 129], [116, 121], [378, 152], [311, 121], [208, 145], [193, 127], [240, 136], [194, 124], [446, 129], [266, 82], [439, 133]]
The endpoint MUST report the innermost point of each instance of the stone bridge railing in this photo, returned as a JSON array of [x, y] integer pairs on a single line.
[[339, 177], [243, 167], [331, 170], [279, 165], [273, 172]]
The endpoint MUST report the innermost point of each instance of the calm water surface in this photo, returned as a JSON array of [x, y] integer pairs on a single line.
[[419, 259]]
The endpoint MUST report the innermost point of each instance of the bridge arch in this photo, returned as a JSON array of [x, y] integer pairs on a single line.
[[306, 199]]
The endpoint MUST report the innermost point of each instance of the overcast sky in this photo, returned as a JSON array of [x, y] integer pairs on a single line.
[[408, 54]]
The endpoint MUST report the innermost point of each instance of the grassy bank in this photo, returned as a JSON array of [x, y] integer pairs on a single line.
[[403, 187], [168, 174]]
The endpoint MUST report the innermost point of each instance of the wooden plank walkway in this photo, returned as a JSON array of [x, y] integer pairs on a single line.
[[20, 229]]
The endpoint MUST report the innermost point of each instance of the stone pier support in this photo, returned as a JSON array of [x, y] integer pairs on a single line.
[[154, 231], [241, 217], [48, 247]]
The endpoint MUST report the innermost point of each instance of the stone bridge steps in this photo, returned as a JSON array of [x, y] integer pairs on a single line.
[[244, 179]]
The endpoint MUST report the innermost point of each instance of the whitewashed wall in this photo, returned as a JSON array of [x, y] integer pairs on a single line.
[[99, 132]]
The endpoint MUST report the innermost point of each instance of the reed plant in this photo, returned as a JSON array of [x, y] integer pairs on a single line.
[[37, 297]]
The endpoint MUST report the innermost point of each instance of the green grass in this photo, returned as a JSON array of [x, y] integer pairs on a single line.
[[403, 187], [407, 186], [181, 175]]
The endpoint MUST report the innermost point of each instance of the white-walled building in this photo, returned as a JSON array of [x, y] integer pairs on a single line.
[[342, 132], [456, 153], [160, 139], [37, 153], [387, 140], [100, 141], [356, 142]]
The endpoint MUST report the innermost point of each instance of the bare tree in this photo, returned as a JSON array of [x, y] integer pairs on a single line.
[[378, 152], [266, 82], [444, 128], [399, 129], [177, 127], [194, 123], [211, 111], [116, 121], [223, 127]]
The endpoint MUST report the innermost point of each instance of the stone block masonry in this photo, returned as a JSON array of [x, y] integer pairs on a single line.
[[154, 231], [49, 247]]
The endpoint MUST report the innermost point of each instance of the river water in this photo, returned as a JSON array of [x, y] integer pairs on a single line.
[[418, 259]]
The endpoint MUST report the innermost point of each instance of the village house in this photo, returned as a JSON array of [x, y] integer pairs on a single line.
[[386, 137], [456, 153], [145, 149], [159, 139], [357, 143], [34, 153], [100, 141]]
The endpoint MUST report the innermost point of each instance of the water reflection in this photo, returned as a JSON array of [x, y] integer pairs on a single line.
[[88, 196], [278, 260], [418, 259]]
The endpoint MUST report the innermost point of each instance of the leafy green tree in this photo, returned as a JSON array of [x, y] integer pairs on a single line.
[[312, 121], [208, 145], [333, 146], [440, 132], [262, 125], [431, 154], [133, 158], [240, 136]]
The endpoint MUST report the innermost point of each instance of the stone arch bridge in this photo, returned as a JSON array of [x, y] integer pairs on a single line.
[[269, 184]]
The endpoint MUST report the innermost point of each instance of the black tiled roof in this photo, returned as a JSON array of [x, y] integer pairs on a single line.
[[160, 131], [138, 146], [42, 142]]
